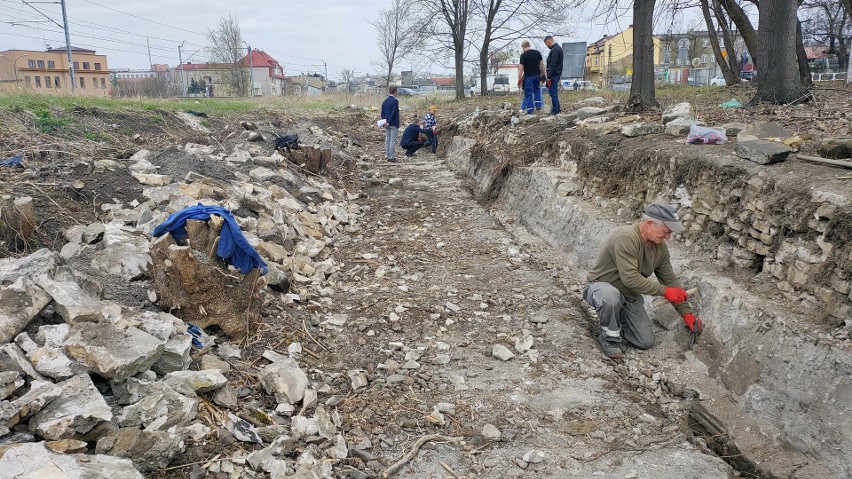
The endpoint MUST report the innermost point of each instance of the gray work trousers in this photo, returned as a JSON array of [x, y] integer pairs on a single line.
[[391, 134], [620, 316]]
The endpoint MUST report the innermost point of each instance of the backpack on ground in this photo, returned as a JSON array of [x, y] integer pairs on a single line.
[[289, 142]]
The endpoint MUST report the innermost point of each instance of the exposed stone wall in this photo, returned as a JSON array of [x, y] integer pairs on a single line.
[[773, 221], [793, 379]]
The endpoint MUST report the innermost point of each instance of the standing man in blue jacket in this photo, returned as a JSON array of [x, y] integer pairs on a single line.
[[554, 72], [390, 113]]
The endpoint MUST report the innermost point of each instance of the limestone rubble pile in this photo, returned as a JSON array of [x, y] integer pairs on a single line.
[[79, 369]]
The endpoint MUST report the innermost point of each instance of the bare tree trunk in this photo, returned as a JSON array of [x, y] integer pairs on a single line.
[[459, 59], [740, 19], [731, 78], [483, 72], [642, 90], [730, 47], [779, 80], [802, 57]]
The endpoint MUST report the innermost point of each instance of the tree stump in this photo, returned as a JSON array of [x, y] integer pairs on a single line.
[[195, 285], [17, 222], [311, 158]]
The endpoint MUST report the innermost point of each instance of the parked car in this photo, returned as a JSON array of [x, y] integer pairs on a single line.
[[748, 76], [583, 84], [719, 80], [407, 92]]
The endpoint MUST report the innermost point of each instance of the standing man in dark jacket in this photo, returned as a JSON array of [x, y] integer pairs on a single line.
[[530, 72], [554, 73], [390, 113], [411, 137]]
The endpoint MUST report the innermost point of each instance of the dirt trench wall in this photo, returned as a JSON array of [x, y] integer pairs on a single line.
[[780, 373], [795, 229]]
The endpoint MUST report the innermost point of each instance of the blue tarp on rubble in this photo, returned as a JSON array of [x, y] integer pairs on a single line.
[[233, 247], [14, 162]]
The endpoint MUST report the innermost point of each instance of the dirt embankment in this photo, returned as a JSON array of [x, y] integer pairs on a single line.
[[764, 246]]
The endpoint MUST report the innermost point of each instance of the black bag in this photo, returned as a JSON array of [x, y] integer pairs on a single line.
[[289, 142]]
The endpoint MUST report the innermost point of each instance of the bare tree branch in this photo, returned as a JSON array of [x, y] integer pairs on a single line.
[[226, 47], [507, 21], [446, 22], [395, 35]]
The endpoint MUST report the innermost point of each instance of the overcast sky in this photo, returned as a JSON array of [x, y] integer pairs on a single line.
[[300, 34]]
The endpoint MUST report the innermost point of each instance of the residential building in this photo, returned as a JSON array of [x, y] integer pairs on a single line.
[[214, 79], [613, 55], [688, 58], [314, 80], [267, 74], [153, 82], [47, 71], [445, 83]]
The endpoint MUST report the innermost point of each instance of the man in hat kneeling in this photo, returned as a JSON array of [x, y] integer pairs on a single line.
[[621, 276]]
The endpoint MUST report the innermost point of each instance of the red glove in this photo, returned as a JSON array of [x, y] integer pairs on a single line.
[[694, 324], [549, 82], [676, 295], [520, 82]]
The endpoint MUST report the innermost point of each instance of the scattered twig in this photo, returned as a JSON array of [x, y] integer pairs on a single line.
[[449, 469], [818, 118], [305, 327], [412, 453], [367, 306], [71, 215], [182, 466], [217, 142]]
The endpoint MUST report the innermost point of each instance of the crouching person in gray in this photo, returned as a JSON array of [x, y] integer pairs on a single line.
[[620, 278]]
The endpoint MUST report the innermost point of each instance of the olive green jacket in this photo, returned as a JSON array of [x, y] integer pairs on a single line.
[[626, 261]]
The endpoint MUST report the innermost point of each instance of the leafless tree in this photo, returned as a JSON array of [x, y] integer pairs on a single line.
[[226, 46], [445, 23], [347, 76], [731, 76], [780, 79], [395, 35], [740, 18], [724, 24], [507, 21], [828, 23]]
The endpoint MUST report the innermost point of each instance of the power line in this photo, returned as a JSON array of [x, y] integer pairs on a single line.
[[143, 18], [85, 45], [111, 39], [86, 23]]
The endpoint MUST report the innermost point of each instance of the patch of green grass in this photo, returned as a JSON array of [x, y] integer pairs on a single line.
[[46, 123], [98, 137], [204, 123], [33, 102]]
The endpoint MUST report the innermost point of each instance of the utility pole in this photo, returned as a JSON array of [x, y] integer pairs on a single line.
[[608, 66], [150, 62], [68, 48], [325, 78], [182, 81], [251, 72]]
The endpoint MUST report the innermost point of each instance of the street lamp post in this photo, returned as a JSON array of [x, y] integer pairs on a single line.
[[15, 65]]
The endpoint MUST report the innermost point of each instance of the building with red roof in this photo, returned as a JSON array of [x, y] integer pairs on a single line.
[[266, 73]]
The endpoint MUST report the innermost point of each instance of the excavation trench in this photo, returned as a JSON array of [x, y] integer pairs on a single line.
[[772, 368]]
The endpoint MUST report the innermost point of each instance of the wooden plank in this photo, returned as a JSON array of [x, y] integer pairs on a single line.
[[825, 161]]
